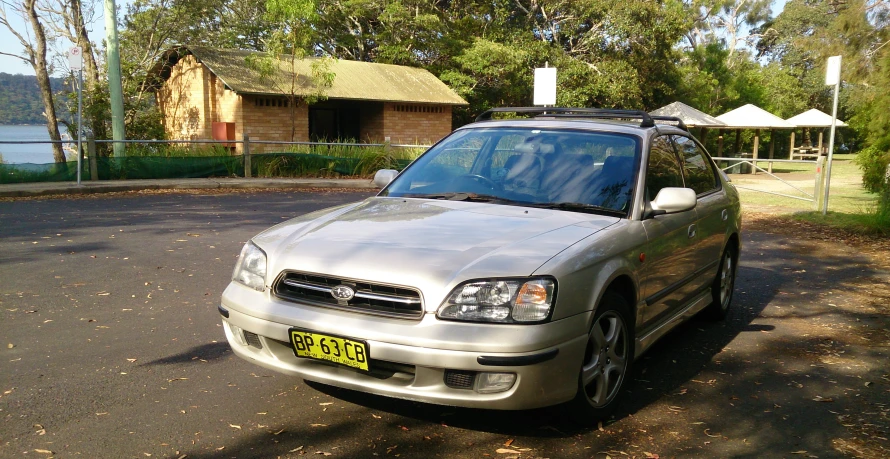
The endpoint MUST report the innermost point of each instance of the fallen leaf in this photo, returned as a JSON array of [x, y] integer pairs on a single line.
[[820, 398], [799, 452], [326, 403], [233, 425], [177, 379], [43, 451], [318, 425], [650, 455], [278, 433], [508, 442], [41, 432], [325, 453], [10, 346], [221, 448], [505, 451], [131, 360], [375, 416], [404, 428]]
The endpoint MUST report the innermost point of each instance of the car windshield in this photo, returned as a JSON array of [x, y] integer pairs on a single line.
[[562, 169]]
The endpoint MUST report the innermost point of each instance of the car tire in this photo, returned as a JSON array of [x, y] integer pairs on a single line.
[[607, 361], [723, 286]]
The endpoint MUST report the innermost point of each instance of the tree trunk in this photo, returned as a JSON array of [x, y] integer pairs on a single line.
[[38, 59]]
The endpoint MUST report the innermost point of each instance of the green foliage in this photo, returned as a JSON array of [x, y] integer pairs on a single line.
[[874, 161], [332, 161], [20, 100]]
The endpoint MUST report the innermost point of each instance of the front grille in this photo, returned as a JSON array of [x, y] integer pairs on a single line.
[[457, 379], [372, 298], [253, 340]]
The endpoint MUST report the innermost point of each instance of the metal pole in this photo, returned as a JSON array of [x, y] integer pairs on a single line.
[[79, 123], [115, 91], [837, 88]]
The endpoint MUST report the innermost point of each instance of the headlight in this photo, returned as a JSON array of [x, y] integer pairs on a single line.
[[251, 267], [502, 301]]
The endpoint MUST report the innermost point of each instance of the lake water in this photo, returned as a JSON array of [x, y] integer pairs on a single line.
[[35, 153]]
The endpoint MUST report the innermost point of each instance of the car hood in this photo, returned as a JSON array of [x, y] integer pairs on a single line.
[[431, 245]]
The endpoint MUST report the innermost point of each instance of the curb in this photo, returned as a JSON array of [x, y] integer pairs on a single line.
[[23, 190]]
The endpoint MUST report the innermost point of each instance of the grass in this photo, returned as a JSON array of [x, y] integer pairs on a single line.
[[850, 206]]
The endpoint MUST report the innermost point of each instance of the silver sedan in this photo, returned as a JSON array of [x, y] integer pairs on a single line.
[[518, 263]]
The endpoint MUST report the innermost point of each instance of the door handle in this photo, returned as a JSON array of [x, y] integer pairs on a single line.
[[691, 231], [724, 215]]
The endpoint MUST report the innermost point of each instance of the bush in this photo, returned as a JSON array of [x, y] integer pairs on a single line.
[[873, 161]]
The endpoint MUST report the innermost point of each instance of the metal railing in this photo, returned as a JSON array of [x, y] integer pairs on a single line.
[[807, 196]]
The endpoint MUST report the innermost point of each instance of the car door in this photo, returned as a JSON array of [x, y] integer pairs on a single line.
[[670, 254], [712, 207]]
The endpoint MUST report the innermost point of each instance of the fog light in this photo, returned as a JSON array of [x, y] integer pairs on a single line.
[[236, 333], [487, 383]]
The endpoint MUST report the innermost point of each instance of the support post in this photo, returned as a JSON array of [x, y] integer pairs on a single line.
[[834, 64], [720, 144], [820, 142], [91, 154], [754, 152], [772, 148], [246, 153], [115, 90], [791, 147], [820, 181]]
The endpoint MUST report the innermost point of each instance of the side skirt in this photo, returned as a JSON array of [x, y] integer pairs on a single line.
[[694, 307]]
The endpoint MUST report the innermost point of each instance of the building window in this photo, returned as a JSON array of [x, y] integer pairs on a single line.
[[418, 108], [270, 102]]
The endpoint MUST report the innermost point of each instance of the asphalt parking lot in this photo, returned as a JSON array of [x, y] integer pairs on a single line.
[[111, 346]]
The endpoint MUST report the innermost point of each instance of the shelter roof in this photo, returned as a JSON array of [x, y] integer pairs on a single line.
[[690, 116], [352, 79], [753, 117], [813, 118]]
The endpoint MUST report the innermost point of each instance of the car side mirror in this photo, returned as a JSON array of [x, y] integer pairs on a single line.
[[384, 176], [672, 200]]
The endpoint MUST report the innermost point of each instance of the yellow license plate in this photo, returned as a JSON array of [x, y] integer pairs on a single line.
[[335, 349]]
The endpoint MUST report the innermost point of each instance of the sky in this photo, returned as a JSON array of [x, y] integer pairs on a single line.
[[9, 43]]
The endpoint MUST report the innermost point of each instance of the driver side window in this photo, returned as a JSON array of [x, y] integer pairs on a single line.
[[663, 169]]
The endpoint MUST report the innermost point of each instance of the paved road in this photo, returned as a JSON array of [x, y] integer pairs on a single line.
[[112, 347]]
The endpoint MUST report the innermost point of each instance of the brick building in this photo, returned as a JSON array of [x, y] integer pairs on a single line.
[[208, 93]]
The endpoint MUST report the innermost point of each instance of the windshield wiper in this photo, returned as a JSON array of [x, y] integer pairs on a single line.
[[460, 196], [579, 207]]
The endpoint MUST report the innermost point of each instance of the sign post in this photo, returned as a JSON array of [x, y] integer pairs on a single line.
[[75, 62], [832, 77]]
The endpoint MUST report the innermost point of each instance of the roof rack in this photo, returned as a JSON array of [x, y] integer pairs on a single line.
[[680, 123], [647, 119]]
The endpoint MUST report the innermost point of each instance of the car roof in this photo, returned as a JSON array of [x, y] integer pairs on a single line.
[[598, 125]]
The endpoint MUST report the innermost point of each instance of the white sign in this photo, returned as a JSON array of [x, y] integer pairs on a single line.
[[75, 58], [833, 71], [545, 86]]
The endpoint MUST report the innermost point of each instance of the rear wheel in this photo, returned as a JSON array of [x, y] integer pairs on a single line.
[[607, 361], [723, 285]]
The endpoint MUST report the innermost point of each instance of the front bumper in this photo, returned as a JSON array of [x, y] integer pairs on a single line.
[[409, 359]]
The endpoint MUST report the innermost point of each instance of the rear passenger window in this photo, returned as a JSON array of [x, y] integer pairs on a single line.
[[697, 168], [664, 169]]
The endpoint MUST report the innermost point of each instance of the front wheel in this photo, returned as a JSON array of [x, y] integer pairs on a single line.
[[607, 361], [722, 287]]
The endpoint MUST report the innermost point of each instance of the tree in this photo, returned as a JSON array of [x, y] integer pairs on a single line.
[[35, 53]]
